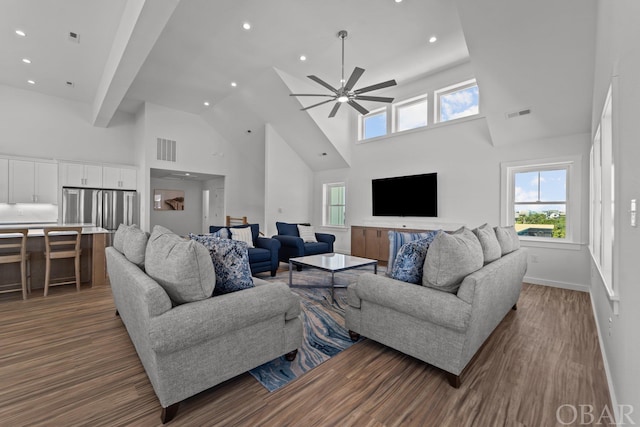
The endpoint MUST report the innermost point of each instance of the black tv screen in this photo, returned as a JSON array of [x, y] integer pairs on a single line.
[[414, 195]]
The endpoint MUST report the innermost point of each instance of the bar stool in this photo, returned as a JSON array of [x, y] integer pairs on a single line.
[[9, 253], [64, 242]]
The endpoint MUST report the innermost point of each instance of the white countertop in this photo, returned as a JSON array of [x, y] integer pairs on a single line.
[[36, 230]]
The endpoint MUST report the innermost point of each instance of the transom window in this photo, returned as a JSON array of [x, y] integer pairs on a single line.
[[457, 101], [410, 114], [374, 124], [335, 204]]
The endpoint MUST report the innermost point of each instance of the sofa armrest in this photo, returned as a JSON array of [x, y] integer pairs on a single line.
[[326, 238], [418, 301], [267, 243], [291, 242], [189, 324]]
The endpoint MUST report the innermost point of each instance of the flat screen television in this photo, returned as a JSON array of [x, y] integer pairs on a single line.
[[414, 195]]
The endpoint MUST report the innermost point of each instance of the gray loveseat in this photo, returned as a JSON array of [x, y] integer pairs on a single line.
[[442, 328], [191, 347]]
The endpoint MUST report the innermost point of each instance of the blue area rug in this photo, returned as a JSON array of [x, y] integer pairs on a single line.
[[323, 327]]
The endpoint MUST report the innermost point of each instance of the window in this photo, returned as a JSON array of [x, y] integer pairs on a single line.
[[410, 114], [335, 203], [540, 201], [602, 200], [374, 124], [457, 101]]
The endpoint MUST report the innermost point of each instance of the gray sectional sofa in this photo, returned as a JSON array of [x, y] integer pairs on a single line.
[[190, 347], [445, 326]]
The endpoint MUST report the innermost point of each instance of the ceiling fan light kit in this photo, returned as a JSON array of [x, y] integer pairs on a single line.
[[346, 94]]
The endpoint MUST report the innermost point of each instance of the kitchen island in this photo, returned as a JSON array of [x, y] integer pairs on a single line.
[[92, 261]]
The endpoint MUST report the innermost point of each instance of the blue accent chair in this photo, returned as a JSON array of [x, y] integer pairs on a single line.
[[264, 255], [292, 245]]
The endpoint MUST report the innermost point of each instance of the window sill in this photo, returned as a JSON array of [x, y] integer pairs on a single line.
[[550, 244], [614, 297], [334, 227], [423, 128]]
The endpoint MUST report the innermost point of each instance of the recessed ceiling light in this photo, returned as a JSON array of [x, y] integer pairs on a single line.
[[246, 26], [433, 39], [234, 84], [303, 58], [26, 60], [21, 33], [206, 103], [398, 1], [31, 82]]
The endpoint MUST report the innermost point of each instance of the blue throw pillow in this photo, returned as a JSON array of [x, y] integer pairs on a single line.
[[397, 239], [231, 262], [409, 261]]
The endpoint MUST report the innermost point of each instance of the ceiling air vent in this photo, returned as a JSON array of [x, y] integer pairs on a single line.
[[74, 37], [519, 113], [166, 150]]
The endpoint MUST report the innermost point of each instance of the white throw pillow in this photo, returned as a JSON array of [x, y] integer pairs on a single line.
[[307, 233], [242, 235]]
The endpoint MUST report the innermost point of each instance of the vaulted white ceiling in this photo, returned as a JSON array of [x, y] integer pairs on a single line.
[[525, 54]]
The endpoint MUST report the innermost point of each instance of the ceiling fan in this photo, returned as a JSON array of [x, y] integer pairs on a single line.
[[346, 94]]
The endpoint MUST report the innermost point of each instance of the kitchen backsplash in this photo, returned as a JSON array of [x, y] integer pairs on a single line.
[[27, 212]]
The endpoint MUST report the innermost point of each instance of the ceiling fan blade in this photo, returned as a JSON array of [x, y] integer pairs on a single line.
[[334, 110], [358, 107], [315, 105], [376, 86], [357, 72], [310, 94], [375, 98], [323, 83]]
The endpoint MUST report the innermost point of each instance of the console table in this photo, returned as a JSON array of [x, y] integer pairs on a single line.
[[373, 242]]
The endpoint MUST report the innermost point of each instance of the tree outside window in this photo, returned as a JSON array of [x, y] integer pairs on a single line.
[[335, 204]]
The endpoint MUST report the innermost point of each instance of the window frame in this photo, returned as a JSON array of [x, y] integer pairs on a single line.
[[362, 119], [326, 203], [407, 103], [573, 164], [437, 94]]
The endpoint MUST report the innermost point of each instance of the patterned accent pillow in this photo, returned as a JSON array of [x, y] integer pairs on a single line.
[[397, 239], [231, 262], [409, 263], [307, 233], [242, 235]]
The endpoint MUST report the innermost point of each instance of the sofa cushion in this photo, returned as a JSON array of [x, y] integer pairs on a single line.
[[182, 267], [135, 245], [286, 229], [450, 258], [508, 239], [242, 235], [307, 233], [398, 238], [231, 261], [490, 246], [409, 263], [118, 237]]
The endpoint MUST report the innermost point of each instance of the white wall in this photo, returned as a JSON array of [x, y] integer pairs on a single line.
[[288, 184], [199, 149], [44, 126], [618, 55]]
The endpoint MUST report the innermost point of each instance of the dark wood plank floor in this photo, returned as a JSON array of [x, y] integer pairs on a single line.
[[67, 360]]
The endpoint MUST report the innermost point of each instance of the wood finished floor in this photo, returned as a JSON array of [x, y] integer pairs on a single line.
[[66, 360]]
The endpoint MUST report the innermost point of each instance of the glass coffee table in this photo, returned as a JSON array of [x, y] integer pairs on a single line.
[[331, 262]]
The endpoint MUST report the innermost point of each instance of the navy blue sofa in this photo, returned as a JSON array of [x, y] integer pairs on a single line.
[[292, 245], [264, 255]]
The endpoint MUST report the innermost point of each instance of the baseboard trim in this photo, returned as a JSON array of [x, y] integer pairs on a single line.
[[605, 361], [556, 284]]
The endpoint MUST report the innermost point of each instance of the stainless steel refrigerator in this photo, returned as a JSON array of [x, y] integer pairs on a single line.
[[104, 208]]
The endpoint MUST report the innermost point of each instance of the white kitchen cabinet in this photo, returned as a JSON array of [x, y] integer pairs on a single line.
[[80, 175], [121, 178], [4, 180], [33, 182]]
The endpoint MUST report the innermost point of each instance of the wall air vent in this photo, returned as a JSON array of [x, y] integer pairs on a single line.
[[166, 150], [518, 113], [74, 37]]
